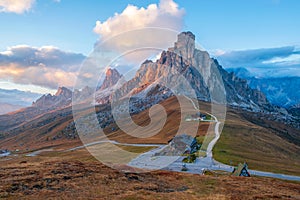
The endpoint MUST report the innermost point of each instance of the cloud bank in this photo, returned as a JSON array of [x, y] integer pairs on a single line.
[[45, 66], [16, 6], [50, 67], [165, 15], [271, 62]]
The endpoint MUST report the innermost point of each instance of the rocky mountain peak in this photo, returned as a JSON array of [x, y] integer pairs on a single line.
[[204, 75], [62, 97], [109, 71], [63, 91], [185, 45], [112, 76]]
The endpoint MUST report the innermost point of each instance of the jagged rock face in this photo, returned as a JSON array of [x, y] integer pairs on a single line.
[[205, 77], [295, 110], [83, 94], [239, 93], [63, 97], [280, 91], [185, 45], [112, 76], [63, 92]]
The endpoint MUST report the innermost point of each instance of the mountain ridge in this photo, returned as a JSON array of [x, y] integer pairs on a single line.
[[7, 108], [279, 90], [63, 97], [201, 72], [149, 86]]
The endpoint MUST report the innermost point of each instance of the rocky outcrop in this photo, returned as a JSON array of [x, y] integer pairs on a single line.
[[186, 70], [295, 110], [185, 45], [112, 76], [63, 92], [83, 94], [280, 91], [62, 98], [240, 94]]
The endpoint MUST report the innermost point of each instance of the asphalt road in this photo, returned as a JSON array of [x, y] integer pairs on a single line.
[[149, 161]]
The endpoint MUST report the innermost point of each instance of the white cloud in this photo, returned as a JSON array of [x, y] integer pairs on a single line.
[[218, 52], [293, 59], [269, 62], [44, 66], [165, 15], [16, 6], [48, 56], [42, 76]]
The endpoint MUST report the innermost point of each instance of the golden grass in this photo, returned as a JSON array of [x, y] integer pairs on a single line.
[[135, 149], [261, 148], [76, 175]]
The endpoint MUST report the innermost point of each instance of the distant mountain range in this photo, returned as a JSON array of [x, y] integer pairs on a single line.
[[61, 98], [150, 84], [6, 108], [280, 91], [152, 79], [12, 100], [18, 97], [197, 68], [50, 117]]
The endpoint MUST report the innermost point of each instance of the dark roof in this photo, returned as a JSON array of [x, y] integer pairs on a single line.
[[241, 168]]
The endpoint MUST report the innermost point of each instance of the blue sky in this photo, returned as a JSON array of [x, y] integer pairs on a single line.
[[252, 24], [218, 24], [221, 27]]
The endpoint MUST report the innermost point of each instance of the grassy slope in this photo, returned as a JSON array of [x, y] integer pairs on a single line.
[[169, 130], [261, 148], [37, 133], [240, 141]]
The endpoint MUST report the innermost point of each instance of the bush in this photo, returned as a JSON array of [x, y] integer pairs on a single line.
[[190, 158]]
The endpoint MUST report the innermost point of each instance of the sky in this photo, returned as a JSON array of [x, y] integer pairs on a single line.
[[43, 42]]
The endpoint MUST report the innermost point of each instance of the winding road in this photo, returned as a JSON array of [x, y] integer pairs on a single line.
[[150, 160], [220, 166], [113, 142]]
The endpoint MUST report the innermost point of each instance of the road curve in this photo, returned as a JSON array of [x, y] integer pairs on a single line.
[[113, 142], [217, 165], [214, 141], [147, 160]]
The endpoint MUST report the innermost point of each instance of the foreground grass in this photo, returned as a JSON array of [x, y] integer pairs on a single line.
[[75, 175]]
